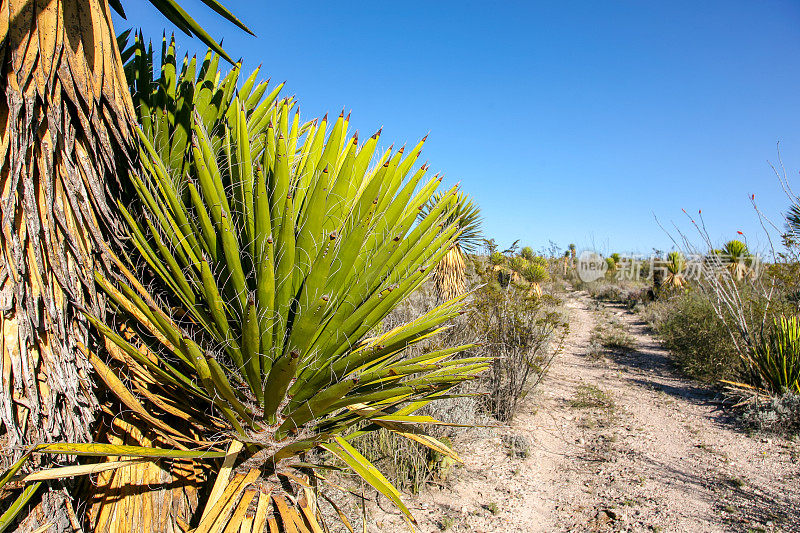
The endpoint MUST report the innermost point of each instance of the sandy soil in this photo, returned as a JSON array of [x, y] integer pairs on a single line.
[[617, 443]]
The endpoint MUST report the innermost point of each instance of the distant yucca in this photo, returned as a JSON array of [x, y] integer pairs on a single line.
[[612, 266], [535, 273], [738, 257], [518, 264], [676, 264], [496, 259], [540, 260], [450, 276], [527, 253]]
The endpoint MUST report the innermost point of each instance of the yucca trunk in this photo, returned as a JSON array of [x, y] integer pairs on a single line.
[[674, 280], [65, 130], [450, 276], [535, 290]]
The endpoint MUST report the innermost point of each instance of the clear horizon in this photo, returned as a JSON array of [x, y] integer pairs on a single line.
[[575, 123]]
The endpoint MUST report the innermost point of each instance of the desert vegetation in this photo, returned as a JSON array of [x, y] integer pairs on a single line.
[[730, 322], [238, 328], [222, 315]]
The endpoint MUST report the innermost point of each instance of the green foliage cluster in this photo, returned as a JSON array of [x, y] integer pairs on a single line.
[[523, 267], [535, 273], [518, 264], [523, 332], [698, 340], [774, 363], [527, 253]]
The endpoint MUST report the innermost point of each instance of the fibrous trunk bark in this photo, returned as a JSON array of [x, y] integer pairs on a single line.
[[450, 275], [66, 123]]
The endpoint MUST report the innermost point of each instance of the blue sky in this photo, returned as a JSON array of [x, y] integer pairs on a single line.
[[567, 121]]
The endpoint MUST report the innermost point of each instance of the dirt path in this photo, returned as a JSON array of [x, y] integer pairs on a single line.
[[617, 443]]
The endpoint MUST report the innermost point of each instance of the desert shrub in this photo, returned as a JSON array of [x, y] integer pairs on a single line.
[[605, 291], [517, 446], [778, 414], [626, 292], [700, 343], [521, 332]]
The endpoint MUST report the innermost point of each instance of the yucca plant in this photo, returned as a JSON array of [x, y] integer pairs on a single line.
[[611, 267], [496, 259], [737, 258], [280, 250], [565, 261], [676, 264], [527, 253], [450, 275], [517, 264], [126, 457], [773, 365], [535, 273]]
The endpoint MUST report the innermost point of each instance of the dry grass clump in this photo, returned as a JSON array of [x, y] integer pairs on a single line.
[[608, 337]]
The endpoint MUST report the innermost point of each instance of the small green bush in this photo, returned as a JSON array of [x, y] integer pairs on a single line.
[[524, 334], [701, 345]]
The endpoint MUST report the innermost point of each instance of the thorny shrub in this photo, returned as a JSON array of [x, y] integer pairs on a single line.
[[524, 333]]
